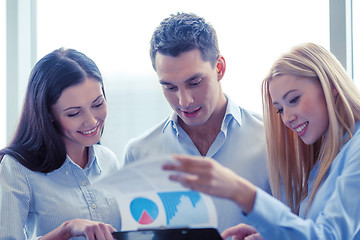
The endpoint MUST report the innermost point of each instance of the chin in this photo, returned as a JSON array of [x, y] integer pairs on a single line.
[[194, 123], [308, 141]]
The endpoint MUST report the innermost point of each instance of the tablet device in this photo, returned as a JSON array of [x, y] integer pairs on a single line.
[[170, 234]]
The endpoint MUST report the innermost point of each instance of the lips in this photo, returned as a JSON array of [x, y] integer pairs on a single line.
[[90, 132], [300, 130], [191, 113]]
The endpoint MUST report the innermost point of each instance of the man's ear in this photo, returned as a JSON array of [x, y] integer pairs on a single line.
[[220, 67]]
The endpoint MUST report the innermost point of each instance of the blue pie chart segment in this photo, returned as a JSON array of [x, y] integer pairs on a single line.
[[144, 210]]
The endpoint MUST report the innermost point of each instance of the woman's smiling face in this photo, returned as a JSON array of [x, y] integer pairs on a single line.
[[80, 111], [301, 103]]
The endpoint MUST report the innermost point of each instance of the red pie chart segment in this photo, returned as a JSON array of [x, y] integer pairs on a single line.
[[144, 210]]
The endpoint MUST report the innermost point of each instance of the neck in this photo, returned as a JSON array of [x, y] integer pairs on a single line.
[[203, 136], [213, 123], [79, 156]]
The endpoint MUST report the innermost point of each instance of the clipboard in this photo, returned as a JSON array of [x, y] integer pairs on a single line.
[[169, 234]]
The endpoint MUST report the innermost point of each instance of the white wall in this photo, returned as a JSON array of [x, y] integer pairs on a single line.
[[252, 34]]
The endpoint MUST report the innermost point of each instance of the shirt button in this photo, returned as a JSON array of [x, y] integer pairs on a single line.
[[93, 206], [67, 172], [84, 183]]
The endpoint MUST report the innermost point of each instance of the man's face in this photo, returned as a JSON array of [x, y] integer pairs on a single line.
[[191, 86]]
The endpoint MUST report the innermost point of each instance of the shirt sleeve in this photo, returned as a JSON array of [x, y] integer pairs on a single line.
[[339, 218], [14, 199]]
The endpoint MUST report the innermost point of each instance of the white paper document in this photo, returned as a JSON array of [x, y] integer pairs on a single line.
[[148, 199]]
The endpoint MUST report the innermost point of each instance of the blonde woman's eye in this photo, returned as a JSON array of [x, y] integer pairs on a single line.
[[294, 100]]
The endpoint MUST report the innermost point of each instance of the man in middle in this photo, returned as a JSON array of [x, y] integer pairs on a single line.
[[185, 55]]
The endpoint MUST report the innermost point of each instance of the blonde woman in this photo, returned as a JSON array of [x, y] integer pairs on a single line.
[[311, 117]]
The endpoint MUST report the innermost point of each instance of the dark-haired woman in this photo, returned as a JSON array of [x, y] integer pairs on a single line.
[[47, 169]]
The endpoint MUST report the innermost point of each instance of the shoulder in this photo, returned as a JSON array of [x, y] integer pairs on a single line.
[[10, 163], [13, 172], [244, 116], [250, 120], [251, 116], [354, 141], [149, 141], [153, 134], [106, 156], [101, 150], [350, 152]]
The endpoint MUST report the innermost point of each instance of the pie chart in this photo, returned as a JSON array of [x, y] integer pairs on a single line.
[[143, 210]]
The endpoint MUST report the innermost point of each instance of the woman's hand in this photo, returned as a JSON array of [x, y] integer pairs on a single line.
[[206, 175], [90, 229], [81, 227], [241, 232]]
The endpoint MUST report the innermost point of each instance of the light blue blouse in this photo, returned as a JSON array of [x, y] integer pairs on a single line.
[[240, 146], [34, 203], [335, 211]]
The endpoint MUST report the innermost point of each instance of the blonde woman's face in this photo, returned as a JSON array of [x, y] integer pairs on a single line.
[[301, 104]]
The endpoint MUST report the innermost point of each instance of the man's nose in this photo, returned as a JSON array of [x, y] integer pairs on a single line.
[[185, 97]]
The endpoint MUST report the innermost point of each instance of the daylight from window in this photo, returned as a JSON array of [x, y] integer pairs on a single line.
[[251, 34], [356, 41], [2, 73]]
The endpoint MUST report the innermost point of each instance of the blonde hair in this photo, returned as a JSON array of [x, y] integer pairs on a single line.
[[290, 160]]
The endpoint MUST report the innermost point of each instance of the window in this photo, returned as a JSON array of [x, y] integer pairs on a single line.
[[252, 34], [2, 73], [356, 41]]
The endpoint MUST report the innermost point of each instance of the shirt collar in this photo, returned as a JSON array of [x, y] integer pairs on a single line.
[[171, 122], [92, 160], [232, 111], [92, 157]]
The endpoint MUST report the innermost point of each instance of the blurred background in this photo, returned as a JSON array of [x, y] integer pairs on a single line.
[[116, 35]]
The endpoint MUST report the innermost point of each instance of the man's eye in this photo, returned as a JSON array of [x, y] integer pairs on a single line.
[[170, 87], [195, 83]]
